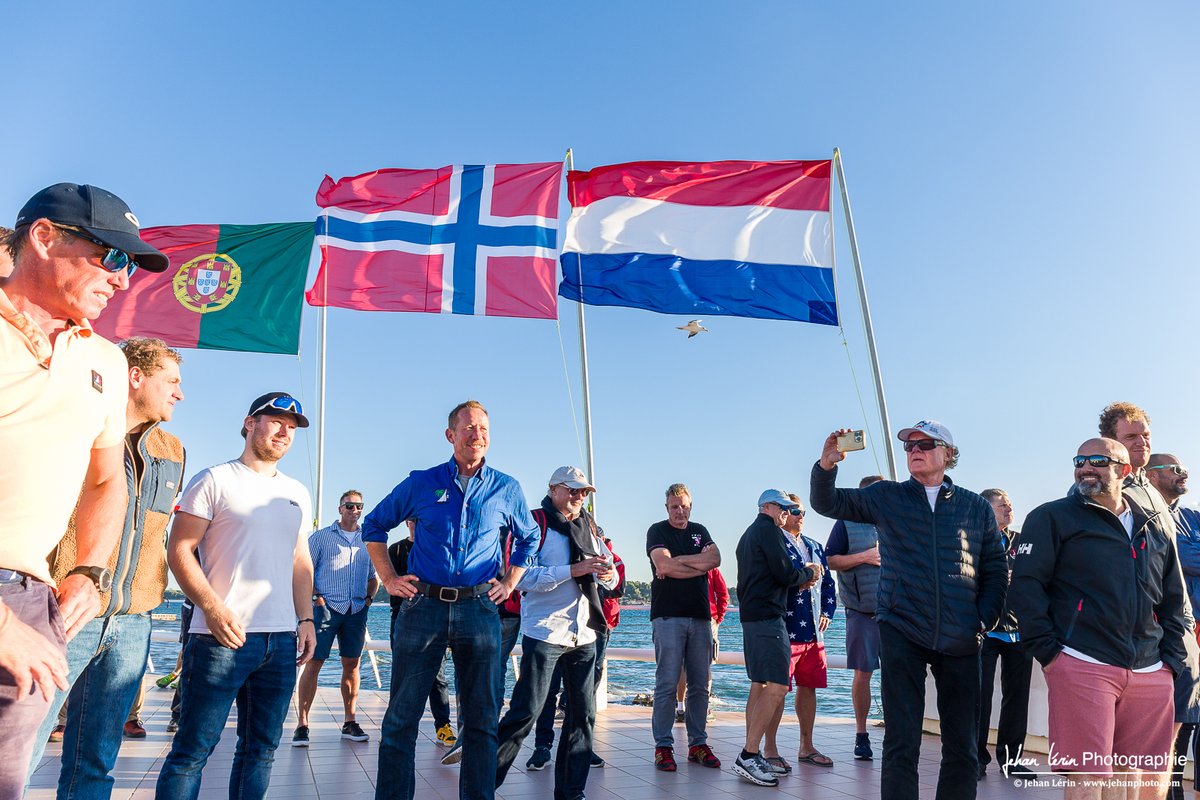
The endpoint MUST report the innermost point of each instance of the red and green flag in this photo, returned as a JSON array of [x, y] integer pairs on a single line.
[[229, 287]]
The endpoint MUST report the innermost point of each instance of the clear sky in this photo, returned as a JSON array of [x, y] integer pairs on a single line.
[[1023, 177]]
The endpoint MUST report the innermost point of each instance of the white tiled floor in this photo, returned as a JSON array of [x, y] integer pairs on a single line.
[[335, 768]]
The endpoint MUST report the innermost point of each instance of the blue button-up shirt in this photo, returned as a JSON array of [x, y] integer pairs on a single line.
[[341, 568], [459, 540]]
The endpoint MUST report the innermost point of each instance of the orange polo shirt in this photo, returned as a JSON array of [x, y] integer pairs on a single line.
[[56, 404]]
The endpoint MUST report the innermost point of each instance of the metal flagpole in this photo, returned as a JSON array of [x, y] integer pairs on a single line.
[[321, 400], [587, 399], [866, 313]]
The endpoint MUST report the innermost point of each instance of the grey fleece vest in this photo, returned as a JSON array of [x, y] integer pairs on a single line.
[[857, 586]]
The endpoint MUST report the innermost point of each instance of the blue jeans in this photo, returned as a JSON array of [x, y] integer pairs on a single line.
[[421, 631], [539, 660], [105, 664], [681, 643], [260, 676], [510, 631], [544, 734]]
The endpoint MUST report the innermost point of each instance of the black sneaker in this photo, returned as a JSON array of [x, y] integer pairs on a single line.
[[862, 747], [539, 759], [300, 737], [353, 732], [454, 754], [597, 762], [173, 726]]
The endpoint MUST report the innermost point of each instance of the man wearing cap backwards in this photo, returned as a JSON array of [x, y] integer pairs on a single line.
[[107, 660], [239, 549], [561, 613], [1100, 598], [942, 583], [456, 581], [764, 576], [62, 424]]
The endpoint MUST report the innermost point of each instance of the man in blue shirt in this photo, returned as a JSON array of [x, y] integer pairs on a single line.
[[344, 584], [456, 581]]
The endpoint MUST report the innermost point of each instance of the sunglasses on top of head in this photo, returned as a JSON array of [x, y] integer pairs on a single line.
[[113, 260], [1096, 461], [286, 403], [922, 444]]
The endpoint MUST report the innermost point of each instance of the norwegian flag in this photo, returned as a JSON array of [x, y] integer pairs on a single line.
[[463, 239]]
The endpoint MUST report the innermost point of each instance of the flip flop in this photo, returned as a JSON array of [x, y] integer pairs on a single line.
[[816, 758]]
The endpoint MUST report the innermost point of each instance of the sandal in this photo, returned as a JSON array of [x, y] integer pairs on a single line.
[[816, 758], [778, 765]]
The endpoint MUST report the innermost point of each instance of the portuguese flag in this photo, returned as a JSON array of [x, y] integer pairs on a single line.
[[229, 287]]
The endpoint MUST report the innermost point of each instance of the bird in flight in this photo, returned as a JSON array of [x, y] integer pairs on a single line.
[[692, 328]]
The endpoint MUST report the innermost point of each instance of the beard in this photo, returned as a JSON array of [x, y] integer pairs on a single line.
[[1092, 486], [264, 451]]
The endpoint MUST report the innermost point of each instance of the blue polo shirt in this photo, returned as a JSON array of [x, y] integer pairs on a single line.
[[459, 540]]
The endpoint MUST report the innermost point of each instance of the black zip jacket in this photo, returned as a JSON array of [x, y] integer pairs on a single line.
[[1080, 582], [765, 572], [942, 574], [1008, 617]]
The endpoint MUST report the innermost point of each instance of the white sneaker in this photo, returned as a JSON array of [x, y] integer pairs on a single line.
[[755, 770]]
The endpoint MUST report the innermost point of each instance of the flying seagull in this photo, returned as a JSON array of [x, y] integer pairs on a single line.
[[692, 328]]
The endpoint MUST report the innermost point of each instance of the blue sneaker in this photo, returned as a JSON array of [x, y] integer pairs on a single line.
[[862, 747]]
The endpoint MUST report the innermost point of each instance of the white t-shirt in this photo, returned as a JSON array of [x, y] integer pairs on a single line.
[[931, 492], [255, 523]]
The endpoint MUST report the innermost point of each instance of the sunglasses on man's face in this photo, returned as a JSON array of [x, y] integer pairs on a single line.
[[113, 260], [353, 506], [922, 444], [1177, 469], [796, 512], [1096, 461]]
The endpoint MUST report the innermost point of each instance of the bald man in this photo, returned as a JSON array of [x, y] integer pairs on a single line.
[[1109, 640]]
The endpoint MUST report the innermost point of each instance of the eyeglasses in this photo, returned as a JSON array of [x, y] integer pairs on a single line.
[[286, 403], [113, 260], [1096, 461], [1176, 468], [796, 512], [574, 492], [353, 506], [922, 444]]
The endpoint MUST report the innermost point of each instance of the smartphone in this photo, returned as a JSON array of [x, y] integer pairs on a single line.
[[851, 441]]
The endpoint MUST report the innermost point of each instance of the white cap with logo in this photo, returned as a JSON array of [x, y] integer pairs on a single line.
[[931, 428], [571, 477]]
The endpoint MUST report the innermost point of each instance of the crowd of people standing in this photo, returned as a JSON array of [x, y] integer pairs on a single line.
[[1098, 586]]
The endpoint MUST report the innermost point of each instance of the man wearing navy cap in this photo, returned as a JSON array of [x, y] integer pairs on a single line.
[[63, 393], [239, 549], [942, 581]]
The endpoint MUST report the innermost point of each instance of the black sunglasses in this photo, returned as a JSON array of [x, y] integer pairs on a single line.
[[1096, 461], [113, 260], [922, 444], [1176, 468], [796, 512], [353, 505]]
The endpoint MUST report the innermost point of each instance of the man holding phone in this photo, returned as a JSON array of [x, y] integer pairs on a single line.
[[942, 583]]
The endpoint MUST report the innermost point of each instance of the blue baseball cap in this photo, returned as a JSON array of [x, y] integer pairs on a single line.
[[98, 212], [777, 497]]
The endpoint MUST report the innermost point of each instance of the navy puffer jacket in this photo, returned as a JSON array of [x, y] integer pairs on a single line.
[[943, 574]]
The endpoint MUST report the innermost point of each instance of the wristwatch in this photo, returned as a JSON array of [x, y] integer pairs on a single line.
[[101, 576]]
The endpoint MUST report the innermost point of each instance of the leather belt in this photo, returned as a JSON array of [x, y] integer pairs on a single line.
[[451, 594]]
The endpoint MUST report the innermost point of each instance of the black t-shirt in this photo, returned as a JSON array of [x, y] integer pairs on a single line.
[[678, 597], [398, 553]]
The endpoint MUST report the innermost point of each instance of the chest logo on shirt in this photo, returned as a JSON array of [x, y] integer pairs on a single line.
[[696, 539], [1026, 548], [442, 495], [98, 382]]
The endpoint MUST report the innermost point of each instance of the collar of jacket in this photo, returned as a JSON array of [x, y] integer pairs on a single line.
[[945, 493], [1141, 518]]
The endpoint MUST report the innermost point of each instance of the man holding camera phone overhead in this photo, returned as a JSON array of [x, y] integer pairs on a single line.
[[942, 583]]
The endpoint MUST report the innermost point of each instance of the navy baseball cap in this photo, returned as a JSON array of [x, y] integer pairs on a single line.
[[98, 212]]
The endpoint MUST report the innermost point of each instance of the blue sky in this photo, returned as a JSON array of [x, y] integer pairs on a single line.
[[1022, 175]]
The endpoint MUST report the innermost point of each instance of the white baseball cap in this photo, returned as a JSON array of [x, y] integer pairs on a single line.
[[931, 428], [571, 477]]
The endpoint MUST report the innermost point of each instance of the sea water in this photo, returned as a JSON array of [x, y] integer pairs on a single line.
[[626, 679]]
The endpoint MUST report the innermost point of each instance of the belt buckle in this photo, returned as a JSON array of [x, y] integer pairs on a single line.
[[442, 590]]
